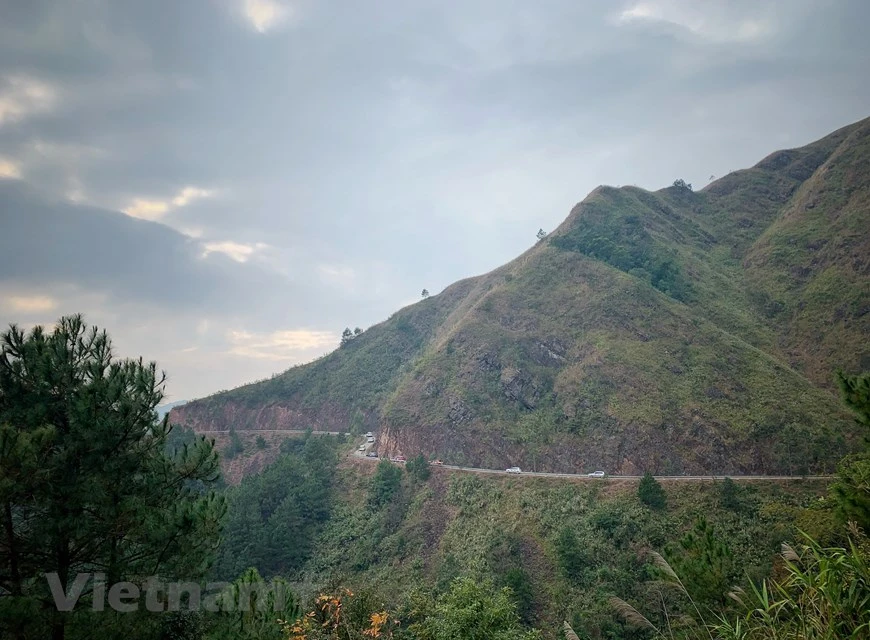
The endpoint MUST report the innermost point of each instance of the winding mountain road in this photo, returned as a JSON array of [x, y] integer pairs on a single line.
[[540, 474], [583, 476]]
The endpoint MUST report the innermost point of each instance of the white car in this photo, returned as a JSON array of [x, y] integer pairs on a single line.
[[513, 470], [370, 439], [362, 447], [596, 474], [369, 434]]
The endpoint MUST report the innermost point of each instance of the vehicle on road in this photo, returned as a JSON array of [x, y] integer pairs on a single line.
[[362, 447], [438, 462], [370, 439], [596, 474], [513, 470], [369, 434], [372, 454]]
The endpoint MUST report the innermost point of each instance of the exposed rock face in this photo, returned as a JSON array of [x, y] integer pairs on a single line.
[[519, 387], [458, 413]]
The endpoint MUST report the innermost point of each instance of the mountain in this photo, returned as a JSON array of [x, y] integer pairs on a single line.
[[675, 331], [163, 409]]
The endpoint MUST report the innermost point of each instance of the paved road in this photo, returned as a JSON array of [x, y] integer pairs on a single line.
[[316, 433], [583, 476], [537, 474]]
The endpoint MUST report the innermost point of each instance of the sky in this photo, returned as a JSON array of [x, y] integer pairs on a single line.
[[224, 185]]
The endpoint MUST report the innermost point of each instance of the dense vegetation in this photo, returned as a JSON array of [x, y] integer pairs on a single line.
[[675, 331], [315, 549], [615, 234], [529, 553], [86, 482], [275, 516], [652, 332]]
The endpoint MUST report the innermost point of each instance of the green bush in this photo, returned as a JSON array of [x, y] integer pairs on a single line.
[[418, 468], [385, 484], [651, 493]]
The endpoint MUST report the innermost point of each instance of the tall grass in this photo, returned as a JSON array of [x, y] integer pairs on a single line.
[[824, 595]]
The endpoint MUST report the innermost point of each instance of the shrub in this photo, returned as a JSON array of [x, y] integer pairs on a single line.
[[651, 493], [418, 467]]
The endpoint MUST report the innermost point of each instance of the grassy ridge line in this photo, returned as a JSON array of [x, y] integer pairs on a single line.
[[645, 318]]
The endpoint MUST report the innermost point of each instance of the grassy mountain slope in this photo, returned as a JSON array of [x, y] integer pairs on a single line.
[[564, 547], [672, 331]]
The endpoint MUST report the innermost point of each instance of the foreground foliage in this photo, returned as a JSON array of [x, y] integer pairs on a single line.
[[852, 488], [824, 595], [86, 483]]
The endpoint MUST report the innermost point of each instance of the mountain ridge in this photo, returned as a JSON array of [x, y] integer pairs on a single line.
[[671, 330]]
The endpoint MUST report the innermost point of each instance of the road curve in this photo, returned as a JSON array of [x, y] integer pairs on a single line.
[[583, 476], [541, 474], [293, 431]]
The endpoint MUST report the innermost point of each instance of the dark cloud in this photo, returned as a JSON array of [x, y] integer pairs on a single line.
[[47, 242]]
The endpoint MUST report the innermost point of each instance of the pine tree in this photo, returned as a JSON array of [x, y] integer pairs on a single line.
[[235, 446], [855, 391], [385, 484], [251, 606], [86, 481], [651, 493], [418, 467], [729, 495], [851, 491], [704, 563]]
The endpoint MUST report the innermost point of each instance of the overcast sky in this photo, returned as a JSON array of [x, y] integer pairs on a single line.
[[226, 184]]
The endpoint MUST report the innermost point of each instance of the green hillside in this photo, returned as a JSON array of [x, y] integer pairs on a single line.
[[564, 548], [672, 331]]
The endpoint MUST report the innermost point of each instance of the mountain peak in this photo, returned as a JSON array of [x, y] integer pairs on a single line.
[[673, 331]]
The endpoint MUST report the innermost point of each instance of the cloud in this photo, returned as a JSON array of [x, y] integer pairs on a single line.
[[237, 251], [9, 169], [288, 345], [641, 11], [193, 232], [709, 21], [189, 194], [22, 96], [265, 15], [148, 209], [385, 147], [31, 304], [46, 242]]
